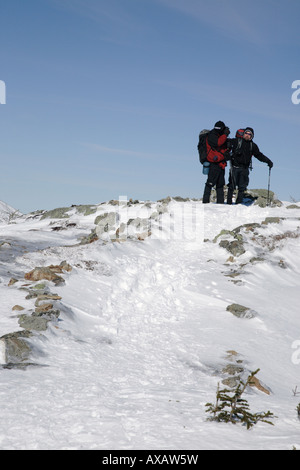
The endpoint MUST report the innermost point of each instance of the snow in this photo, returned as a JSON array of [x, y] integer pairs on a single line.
[[143, 333], [2, 352], [7, 212]]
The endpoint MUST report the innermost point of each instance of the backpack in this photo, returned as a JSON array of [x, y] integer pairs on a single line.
[[239, 133], [202, 150]]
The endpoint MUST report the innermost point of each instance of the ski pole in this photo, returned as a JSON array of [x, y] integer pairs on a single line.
[[269, 182]]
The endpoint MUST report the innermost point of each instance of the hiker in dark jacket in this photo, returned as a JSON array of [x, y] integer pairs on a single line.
[[242, 151], [217, 155]]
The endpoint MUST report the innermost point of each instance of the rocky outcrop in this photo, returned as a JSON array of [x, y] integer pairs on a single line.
[[49, 273], [237, 241], [59, 213], [258, 197], [263, 198], [15, 348], [127, 222]]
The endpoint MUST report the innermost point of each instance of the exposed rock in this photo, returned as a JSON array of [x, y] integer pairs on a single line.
[[36, 291], [86, 209], [138, 228], [17, 348], [33, 323], [59, 213], [39, 319], [58, 228], [181, 199], [235, 370], [165, 200], [250, 227], [139, 223], [282, 264], [222, 234], [105, 222], [48, 273], [256, 259], [91, 238], [262, 197], [240, 311], [231, 382], [142, 236], [42, 297], [131, 202], [44, 308], [40, 287], [18, 308], [235, 247], [232, 354], [232, 240], [64, 266], [257, 196], [40, 273], [272, 220]]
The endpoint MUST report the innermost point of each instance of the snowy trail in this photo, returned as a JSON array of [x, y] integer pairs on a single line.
[[143, 334], [122, 356]]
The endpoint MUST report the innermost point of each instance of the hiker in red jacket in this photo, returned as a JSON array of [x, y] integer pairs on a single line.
[[217, 156]]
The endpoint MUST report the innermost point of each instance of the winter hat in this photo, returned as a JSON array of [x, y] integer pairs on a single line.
[[220, 126], [249, 129]]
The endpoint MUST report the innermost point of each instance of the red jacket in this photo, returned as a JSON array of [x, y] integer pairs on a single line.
[[216, 147]]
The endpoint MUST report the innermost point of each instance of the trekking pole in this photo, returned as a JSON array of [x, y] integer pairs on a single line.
[[269, 182], [232, 178]]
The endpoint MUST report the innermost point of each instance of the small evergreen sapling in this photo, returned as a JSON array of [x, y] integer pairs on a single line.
[[230, 407]]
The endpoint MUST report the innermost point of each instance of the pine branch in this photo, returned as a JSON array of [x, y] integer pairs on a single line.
[[233, 409]]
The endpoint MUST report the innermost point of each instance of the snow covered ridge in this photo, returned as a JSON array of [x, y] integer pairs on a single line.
[[123, 219], [117, 342]]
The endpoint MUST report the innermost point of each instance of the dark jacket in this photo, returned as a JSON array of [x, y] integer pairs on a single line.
[[216, 147], [242, 152]]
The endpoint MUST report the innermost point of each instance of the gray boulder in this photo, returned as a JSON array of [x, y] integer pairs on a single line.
[[240, 311], [17, 347]]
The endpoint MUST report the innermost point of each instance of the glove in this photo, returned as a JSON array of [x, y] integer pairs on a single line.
[[227, 131], [270, 164]]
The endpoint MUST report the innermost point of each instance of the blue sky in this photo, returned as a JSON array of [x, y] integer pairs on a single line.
[[106, 98]]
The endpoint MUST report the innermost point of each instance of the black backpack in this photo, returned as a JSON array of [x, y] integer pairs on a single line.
[[202, 150]]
